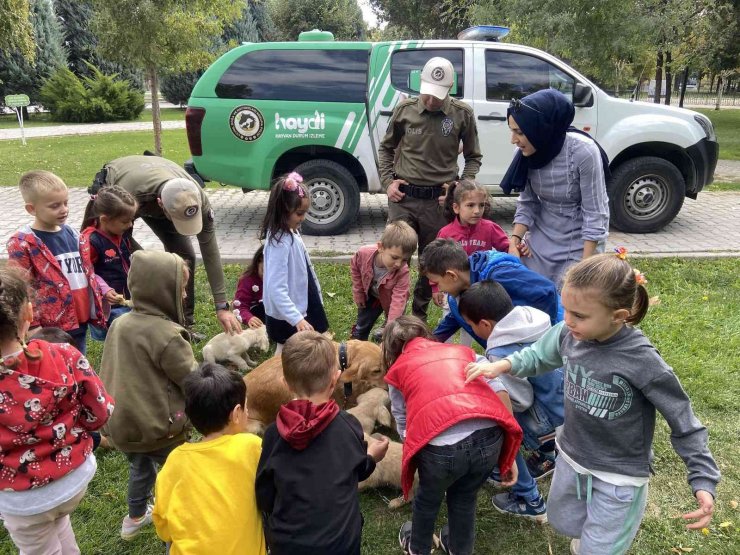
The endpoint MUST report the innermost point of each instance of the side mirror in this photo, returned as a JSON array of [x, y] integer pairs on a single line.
[[583, 96]]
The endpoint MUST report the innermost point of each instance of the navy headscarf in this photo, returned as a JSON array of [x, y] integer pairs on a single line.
[[544, 117]]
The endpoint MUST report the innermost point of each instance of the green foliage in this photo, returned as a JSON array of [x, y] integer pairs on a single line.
[[176, 87], [423, 19], [16, 31], [341, 17], [92, 99]]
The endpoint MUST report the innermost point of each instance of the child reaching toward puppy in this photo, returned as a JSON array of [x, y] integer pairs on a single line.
[[615, 380]]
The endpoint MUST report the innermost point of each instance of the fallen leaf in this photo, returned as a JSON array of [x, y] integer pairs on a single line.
[[332, 295], [733, 504], [687, 549], [725, 524], [705, 531], [654, 301], [675, 550]]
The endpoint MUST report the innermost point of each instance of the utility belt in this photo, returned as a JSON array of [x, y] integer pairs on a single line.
[[424, 192]]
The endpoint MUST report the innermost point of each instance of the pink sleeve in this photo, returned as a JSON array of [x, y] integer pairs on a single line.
[[104, 287], [499, 239], [358, 293], [400, 295]]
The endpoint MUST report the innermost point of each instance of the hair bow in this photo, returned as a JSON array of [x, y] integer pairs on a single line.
[[639, 277], [292, 183], [620, 252]]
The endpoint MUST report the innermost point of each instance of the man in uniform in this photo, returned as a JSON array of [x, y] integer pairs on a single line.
[[175, 207], [418, 158]]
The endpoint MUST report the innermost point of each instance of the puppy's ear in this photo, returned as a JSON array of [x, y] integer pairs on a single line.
[[383, 416]]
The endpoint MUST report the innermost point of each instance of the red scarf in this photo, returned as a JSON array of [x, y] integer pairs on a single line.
[[300, 421]]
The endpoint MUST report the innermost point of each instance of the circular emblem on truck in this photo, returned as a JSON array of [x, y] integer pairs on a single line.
[[246, 123]]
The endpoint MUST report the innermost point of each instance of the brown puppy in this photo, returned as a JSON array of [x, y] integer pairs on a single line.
[[266, 391]]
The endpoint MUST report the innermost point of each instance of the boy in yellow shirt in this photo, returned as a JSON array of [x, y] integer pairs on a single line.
[[205, 502]]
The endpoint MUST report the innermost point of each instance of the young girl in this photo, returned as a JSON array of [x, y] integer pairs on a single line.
[[615, 380], [50, 400], [465, 204], [453, 434], [107, 244], [249, 292], [292, 295]]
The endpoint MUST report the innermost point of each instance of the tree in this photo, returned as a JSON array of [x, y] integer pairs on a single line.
[[424, 19], [341, 17], [266, 30], [17, 74], [166, 35], [16, 31]]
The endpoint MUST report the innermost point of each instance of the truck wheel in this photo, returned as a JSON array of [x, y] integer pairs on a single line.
[[645, 194], [334, 194]]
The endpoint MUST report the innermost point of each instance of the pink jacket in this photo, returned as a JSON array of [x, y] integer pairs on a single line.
[[393, 288]]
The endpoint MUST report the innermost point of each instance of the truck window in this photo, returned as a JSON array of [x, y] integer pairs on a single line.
[[405, 61], [514, 75], [305, 75]]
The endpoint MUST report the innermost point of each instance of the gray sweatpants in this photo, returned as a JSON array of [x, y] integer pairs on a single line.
[[604, 516]]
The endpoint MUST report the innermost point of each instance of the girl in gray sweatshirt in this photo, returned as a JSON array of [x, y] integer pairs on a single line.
[[615, 380]]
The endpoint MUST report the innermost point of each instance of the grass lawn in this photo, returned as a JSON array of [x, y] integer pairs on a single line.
[[43, 119], [727, 125], [696, 326]]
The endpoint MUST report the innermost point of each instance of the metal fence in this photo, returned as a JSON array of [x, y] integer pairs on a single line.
[[708, 99]]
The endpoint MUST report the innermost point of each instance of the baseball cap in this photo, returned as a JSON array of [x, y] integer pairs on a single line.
[[437, 78], [181, 199]]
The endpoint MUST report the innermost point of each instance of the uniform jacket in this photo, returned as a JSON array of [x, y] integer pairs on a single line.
[[47, 407], [53, 304], [393, 289], [147, 356], [431, 377]]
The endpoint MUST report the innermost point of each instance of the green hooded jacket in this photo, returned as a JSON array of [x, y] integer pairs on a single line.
[[147, 356]]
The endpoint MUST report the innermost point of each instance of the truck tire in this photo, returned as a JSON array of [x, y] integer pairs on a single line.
[[334, 194], [645, 194]]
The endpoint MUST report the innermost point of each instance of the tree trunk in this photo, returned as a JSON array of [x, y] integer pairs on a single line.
[[683, 86], [711, 82], [156, 121], [668, 78], [719, 92], [658, 77]]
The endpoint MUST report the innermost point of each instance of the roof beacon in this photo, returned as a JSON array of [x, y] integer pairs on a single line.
[[491, 33]]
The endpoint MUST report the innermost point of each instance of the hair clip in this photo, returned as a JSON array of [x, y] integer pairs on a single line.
[[292, 183], [639, 277], [620, 253]]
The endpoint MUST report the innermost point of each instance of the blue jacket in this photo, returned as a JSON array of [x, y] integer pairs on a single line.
[[525, 287]]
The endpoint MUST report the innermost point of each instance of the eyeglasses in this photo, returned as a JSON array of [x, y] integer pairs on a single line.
[[516, 105]]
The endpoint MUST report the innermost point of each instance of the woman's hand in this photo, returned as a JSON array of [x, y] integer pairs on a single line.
[[486, 369], [303, 325], [254, 323], [514, 250], [524, 249]]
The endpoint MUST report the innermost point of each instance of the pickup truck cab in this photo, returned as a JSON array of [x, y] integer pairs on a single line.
[[321, 107]]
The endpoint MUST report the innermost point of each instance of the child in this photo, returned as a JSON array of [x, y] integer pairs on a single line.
[[616, 380], [312, 459], [453, 435], [537, 401], [380, 277], [465, 205], [106, 244], [446, 264], [67, 295], [146, 357], [50, 400], [249, 292], [212, 511], [292, 294]]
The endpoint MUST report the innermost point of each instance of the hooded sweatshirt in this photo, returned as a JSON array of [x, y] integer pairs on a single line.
[[312, 459], [147, 356]]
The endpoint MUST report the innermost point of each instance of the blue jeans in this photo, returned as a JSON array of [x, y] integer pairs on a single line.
[[458, 470], [100, 334], [80, 337]]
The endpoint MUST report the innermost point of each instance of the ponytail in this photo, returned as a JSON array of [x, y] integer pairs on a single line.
[[640, 306]]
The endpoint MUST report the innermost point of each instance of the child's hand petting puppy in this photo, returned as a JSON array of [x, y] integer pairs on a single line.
[[487, 369], [378, 448]]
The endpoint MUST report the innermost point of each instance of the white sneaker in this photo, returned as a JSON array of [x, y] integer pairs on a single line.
[[575, 546], [132, 526]]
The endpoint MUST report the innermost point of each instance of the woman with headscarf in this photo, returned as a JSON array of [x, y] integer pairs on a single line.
[[562, 214]]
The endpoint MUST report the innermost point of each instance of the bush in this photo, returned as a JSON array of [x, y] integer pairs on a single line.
[[176, 87], [93, 99]]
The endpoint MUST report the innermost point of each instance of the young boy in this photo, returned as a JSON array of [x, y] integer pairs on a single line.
[[146, 358], [445, 263], [537, 403], [380, 277], [312, 459], [67, 294], [205, 493]]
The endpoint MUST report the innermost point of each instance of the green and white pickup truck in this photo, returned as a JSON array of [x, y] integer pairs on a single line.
[[321, 107]]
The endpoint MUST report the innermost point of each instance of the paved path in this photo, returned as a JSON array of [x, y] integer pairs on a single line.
[[85, 129], [727, 171], [709, 226]]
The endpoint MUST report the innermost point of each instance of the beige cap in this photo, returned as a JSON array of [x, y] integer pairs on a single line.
[[182, 202], [437, 78]]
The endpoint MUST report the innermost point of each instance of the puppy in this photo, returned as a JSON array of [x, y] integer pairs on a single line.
[[233, 348], [372, 406], [388, 473]]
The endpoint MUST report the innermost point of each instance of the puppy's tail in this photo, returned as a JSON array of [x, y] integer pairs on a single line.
[[208, 354]]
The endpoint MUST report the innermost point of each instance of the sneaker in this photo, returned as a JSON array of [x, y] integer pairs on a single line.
[[575, 546], [511, 504], [132, 526], [404, 536], [495, 478], [444, 538], [540, 465]]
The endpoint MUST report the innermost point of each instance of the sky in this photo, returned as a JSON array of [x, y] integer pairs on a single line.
[[367, 13]]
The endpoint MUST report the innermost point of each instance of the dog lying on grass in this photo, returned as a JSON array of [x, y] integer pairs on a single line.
[[233, 348], [388, 472], [266, 391]]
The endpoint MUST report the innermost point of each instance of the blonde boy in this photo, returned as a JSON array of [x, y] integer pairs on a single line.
[[67, 294], [380, 277]]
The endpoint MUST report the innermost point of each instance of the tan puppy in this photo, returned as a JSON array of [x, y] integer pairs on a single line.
[[388, 473], [266, 391], [372, 406], [233, 348]]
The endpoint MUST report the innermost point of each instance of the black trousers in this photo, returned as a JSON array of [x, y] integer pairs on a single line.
[[181, 245]]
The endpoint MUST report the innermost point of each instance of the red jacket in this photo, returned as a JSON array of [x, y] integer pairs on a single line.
[[53, 305], [47, 407], [248, 293], [431, 378], [393, 289]]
